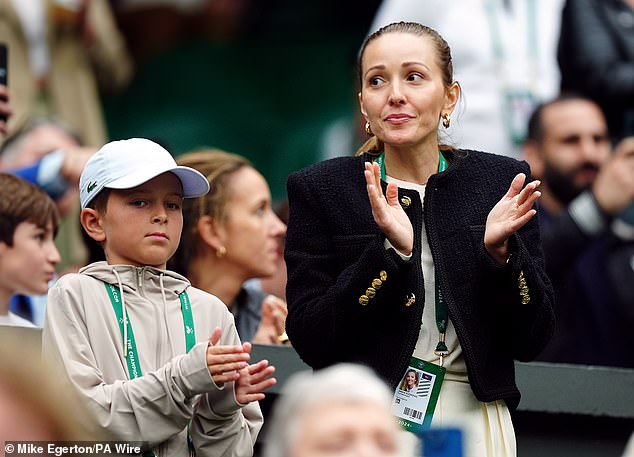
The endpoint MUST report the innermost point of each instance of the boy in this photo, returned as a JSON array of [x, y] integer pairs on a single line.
[[133, 336], [28, 224]]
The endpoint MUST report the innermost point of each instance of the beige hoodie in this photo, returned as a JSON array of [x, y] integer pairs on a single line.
[[82, 335]]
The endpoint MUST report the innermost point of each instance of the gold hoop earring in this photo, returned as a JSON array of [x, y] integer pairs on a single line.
[[445, 120], [368, 129], [221, 252]]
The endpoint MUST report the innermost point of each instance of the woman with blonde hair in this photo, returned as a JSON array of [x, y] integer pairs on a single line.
[[232, 235], [416, 254]]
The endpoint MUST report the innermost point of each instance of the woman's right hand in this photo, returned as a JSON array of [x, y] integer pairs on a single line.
[[387, 212], [272, 322]]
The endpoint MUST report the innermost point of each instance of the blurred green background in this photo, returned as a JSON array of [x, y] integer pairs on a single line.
[[271, 94]]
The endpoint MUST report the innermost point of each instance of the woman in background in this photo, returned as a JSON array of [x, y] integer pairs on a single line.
[[232, 235]]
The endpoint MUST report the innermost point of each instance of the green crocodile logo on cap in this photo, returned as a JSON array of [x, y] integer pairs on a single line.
[[91, 186]]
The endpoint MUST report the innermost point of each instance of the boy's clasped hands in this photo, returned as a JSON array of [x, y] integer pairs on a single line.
[[231, 363]]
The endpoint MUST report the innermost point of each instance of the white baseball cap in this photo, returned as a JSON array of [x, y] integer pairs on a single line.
[[125, 164]]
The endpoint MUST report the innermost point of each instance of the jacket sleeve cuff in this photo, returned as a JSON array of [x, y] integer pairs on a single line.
[[388, 245], [222, 400], [513, 254], [196, 378]]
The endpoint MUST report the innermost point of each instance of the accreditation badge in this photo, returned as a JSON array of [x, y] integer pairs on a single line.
[[416, 396]]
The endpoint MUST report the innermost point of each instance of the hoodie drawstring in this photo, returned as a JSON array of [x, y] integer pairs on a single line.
[[169, 333]]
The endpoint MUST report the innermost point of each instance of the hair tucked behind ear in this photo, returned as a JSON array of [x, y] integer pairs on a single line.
[[218, 166]]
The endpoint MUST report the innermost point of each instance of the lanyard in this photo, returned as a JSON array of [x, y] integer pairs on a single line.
[[442, 315], [132, 356], [442, 164], [134, 367]]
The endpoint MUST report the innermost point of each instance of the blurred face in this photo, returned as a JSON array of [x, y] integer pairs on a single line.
[[575, 146], [28, 265], [403, 94], [39, 142], [142, 226], [346, 429], [21, 420], [411, 379], [251, 231]]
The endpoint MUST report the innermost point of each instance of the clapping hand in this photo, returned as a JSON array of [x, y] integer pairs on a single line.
[[272, 322], [510, 214], [253, 381], [224, 362], [387, 212], [230, 363]]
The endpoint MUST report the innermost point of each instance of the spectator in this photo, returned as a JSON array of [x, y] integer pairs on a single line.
[[28, 224], [35, 406], [342, 410], [504, 55], [276, 284], [364, 270], [596, 58], [27, 151], [198, 393], [46, 152], [588, 254], [60, 54], [232, 235]]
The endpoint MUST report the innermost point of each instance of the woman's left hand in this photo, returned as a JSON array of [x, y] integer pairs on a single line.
[[510, 214]]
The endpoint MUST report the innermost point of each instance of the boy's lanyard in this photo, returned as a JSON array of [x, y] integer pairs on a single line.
[[132, 356], [442, 317]]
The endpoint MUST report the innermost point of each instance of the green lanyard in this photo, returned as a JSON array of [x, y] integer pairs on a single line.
[[442, 163], [132, 356], [442, 315]]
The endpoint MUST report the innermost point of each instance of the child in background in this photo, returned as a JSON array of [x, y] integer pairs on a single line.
[[28, 224], [155, 359]]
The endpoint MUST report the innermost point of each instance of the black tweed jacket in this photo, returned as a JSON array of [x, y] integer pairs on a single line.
[[335, 253]]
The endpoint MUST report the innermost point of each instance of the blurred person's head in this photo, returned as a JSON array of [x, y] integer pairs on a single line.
[[567, 144], [34, 405], [344, 410], [405, 75], [233, 227], [131, 194], [38, 137], [276, 284], [28, 225]]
